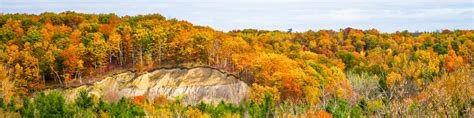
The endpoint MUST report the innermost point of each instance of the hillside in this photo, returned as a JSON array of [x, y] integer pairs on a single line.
[[194, 85], [348, 72]]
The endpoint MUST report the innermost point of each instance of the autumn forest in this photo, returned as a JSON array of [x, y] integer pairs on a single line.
[[345, 73]]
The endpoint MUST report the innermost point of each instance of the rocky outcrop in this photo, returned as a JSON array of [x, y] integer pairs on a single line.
[[193, 85]]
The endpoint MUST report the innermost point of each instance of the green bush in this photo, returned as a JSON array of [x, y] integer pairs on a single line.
[[83, 105], [11, 105], [137, 110], [268, 104], [2, 103], [51, 105], [338, 108], [84, 101], [356, 112], [27, 110], [124, 108], [102, 106], [265, 109], [219, 110], [119, 109], [441, 48], [254, 110]]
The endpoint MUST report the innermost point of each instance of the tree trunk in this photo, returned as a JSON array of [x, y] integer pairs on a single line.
[[159, 54], [56, 73]]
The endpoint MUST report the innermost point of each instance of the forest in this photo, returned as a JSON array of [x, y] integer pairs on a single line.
[[345, 73]]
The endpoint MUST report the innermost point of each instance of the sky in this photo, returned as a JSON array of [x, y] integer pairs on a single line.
[[299, 15]]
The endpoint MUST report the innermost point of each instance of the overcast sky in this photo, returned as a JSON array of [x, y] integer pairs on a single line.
[[300, 15]]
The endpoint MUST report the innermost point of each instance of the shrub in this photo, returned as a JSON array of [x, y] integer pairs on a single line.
[[101, 106], [338, 108], [356, 112], [137, 110], [139, 99], [83, 104], [196, 113], [124, 108], [51, 105], [268, 105], [2, 103], [84, 101], [11, 105], [119, 109], [27, 110], [220, 110], [262, 110]]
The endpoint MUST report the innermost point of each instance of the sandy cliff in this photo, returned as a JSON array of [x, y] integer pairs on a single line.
[[194, 85]]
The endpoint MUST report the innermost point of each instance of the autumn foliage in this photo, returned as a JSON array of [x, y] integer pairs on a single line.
[[399, 71]]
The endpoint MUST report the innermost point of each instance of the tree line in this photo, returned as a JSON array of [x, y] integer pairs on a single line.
[[378, 73]]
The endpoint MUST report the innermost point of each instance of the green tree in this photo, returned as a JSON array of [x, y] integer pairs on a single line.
[[84, 101], [28, 109], [2, 103], [32, 36], [51, 105], [338, 108], [348, 58], [123, 108]]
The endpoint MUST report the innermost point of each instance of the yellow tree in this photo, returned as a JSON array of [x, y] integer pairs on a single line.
[[13, 54], [97, 52], [126, 36], [115, 48], [143, 44], [377, 59], [21, 84], [7, 85], [279, 71], [31, 72], [160, 40], [395, 83]]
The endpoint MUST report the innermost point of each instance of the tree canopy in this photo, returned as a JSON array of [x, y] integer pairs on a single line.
[[430, 72]]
